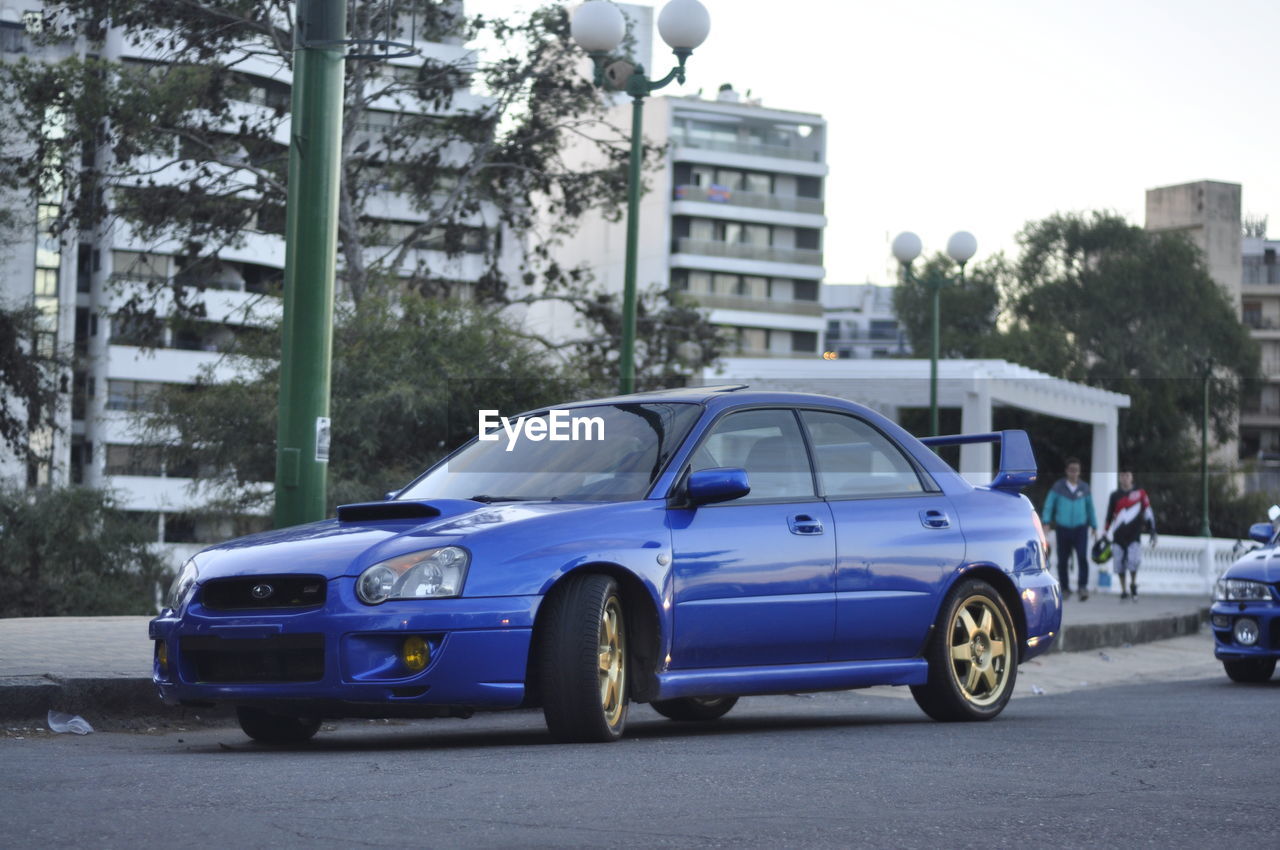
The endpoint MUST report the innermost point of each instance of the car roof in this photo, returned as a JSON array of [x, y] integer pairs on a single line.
[[728, 394]]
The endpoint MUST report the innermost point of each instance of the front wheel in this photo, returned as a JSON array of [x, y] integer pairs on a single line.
[[694, 708], [1250, 670], [268, 728], [972, 655], [582, 661]]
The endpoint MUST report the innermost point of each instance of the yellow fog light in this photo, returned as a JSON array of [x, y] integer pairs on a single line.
[[162, 656], [416, 653]]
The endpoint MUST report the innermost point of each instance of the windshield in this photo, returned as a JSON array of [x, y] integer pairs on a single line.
[[602, 453]]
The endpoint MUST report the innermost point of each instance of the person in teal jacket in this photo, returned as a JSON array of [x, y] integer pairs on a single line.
[[1069, 512]]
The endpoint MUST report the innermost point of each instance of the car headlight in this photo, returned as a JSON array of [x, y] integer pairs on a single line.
[[429, 574], [181, 586], [1241, 590]]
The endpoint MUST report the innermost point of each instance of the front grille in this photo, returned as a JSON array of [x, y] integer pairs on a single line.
[[285, 658], [252, 592]]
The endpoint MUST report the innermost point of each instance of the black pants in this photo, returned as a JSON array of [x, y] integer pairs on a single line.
[[1073, 540]]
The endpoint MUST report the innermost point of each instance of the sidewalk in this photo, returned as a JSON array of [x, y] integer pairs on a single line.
[[98, 666]]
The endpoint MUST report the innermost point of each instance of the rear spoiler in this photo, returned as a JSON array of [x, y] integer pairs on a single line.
[[1017, 460]]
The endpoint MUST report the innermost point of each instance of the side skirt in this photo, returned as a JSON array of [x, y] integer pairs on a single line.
[[790, 678]]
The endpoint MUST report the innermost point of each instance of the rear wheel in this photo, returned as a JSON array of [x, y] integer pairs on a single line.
[[694, 708], [973, 656], [582, 661], [268, 728], [1250, 669]]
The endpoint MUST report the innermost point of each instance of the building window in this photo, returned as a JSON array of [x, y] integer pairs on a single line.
[[132, 395], [1252, 311], [134, 460], [805, 342]]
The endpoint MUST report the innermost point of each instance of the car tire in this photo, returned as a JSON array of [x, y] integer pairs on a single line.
[[582, 661], [694, 708], [972, 655], [1250, 670], [268, 728]]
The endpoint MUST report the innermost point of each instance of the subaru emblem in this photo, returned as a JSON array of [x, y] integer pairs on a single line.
[[261, 591]]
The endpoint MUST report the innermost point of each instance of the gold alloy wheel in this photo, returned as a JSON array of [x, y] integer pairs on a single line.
[[980, 650], [613, 661]]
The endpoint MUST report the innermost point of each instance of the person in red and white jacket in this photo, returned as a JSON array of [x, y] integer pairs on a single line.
[[1128, 511]]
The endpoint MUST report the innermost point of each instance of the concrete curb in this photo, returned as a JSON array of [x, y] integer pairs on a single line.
[[105, 702], [1087, 636]]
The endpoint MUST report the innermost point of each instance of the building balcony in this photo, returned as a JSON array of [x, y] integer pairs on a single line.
[[742, 251], [1264, 416], [757, 200], [763, 305], [749, 148]]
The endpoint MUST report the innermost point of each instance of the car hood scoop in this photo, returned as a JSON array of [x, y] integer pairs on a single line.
[[373, 511]]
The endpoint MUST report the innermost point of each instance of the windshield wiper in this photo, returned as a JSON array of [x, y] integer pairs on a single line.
[[491, 499]]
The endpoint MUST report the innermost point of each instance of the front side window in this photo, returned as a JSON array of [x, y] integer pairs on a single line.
[[768, 445], [856, 460]]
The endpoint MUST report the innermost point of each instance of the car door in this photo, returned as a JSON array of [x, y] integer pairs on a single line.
[[897, 538], [754, 577]]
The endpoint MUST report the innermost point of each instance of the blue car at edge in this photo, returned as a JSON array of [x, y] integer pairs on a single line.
[[1246, 609], [681, 548]]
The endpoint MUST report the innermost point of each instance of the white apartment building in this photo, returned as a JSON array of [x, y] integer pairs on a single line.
[[1260, 310], [733, 216], [861, 322], [81, 283]]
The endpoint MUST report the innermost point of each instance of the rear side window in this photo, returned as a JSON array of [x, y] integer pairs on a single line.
[[768, 445], [856, 460]]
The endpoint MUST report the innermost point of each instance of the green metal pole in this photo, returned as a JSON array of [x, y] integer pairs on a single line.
[[311, 243], [1204, 456], [933, 365], [627, 366]]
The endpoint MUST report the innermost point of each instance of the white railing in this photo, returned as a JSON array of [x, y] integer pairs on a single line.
[[1186, 566]]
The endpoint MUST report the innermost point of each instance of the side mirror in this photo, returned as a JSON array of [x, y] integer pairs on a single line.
[[1261, 532], [721, 484]]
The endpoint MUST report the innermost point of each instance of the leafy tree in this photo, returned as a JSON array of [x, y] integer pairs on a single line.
[[407, 383], [1133, 312], [673, 341], [170, 148], [70, 551], [967, 307], [29, 382]]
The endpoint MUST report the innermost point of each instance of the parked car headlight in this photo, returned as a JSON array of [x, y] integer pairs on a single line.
[[429, 574], [1241, 590], [181, 586]]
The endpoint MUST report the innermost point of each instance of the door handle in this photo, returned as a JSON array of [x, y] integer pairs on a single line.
[[804, 524], [933, 518]]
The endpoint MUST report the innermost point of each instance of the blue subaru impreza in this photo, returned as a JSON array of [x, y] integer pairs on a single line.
[[681, 548], [1246, 610]]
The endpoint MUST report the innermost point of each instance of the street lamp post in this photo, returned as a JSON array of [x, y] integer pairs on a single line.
[[598, 27], [960, 247], [1207, 367]]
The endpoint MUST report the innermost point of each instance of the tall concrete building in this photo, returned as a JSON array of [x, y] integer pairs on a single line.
[[1208, 212], [80, 283], [1260, 309], [733, 216]]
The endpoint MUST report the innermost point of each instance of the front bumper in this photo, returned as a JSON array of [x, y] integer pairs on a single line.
[[1223, 617], [345, 657]]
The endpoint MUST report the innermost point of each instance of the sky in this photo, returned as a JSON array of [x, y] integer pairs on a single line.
[[984, 115]]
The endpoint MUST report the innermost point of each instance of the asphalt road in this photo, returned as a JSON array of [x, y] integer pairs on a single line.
[[1167, 764]]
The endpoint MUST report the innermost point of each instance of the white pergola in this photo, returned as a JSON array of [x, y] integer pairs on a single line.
[[974, 386]]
